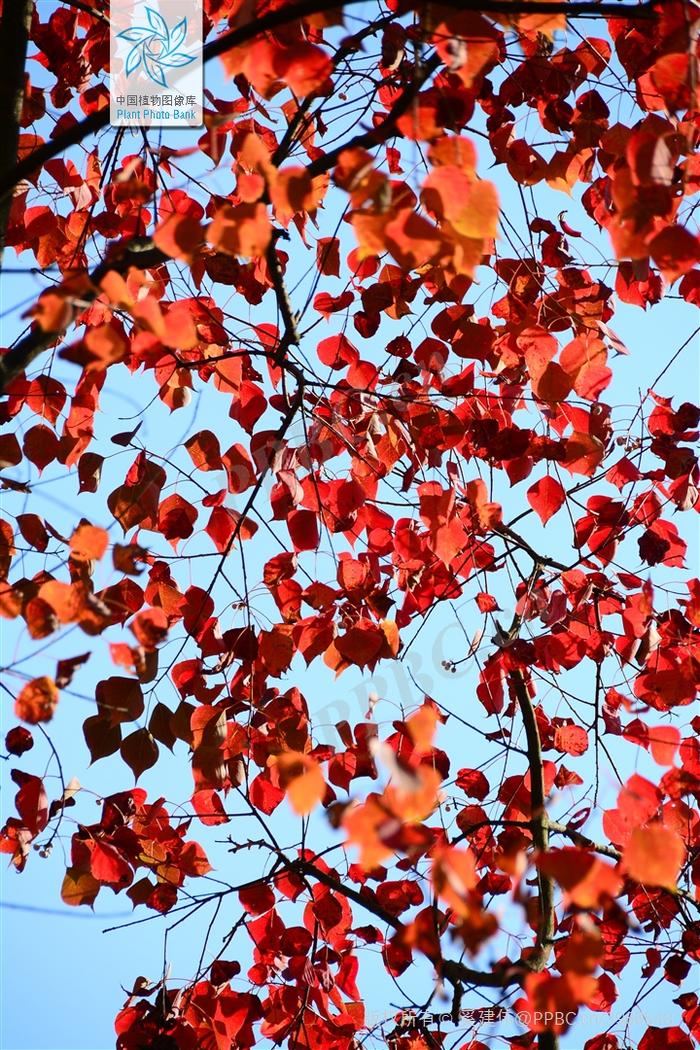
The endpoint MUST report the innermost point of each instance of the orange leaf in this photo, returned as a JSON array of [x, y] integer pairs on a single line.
[[241, 230], [67, 600], [654, 856], [663, 743], [106, 346], [467, 44], [414, 796], [487, 514], [302, 779], [586, 880], [455, 151], [454, 875], [421, 726], [291, 192], [180, 331], [79, 887], [117, 291], [255, 157], [180, 237], [37, 701], [471, 208], [89, 541], [367, 825], [552, 1002]]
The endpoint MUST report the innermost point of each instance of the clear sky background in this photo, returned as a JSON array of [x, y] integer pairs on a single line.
[[61, 974]]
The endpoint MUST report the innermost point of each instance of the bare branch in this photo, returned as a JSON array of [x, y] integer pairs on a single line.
[[139, 252]]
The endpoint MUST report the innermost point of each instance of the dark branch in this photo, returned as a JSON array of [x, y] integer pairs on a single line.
[[14, 35], [375, 136], [539, 822], [140, 253], [290, 335], [457, 973]]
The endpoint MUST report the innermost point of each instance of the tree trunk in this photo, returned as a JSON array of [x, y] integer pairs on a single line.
[[14, 34]]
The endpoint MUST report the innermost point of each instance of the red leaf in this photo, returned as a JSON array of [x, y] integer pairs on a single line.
[[328, 256], [257, 899], [473, 783], [193, 860], [209, 808], [10, 452], [40, 446], [265, 795], [573, 740], [204, 450], [31, 801], [176, 518], [109, 865], [665, 1039], [304, 67], [486, 602], [337, 351], [19, 740], [675, 251], [119, 700], [328, 304], [588, 881], [663, 743], [239, 469], [140, 751], [546, 497], [303, 530], [150, 628]]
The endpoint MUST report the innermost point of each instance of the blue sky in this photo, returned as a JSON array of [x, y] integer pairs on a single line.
[[57, 963]]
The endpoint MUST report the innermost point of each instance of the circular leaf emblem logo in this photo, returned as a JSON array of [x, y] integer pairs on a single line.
[[156, 47]]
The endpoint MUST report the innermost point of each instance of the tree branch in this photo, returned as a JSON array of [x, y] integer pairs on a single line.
[[139, 252], [579, 839], [520, 541], [539, 822], [94, 12], [457, 973], [290, 335], [377, 135], [14, 35]]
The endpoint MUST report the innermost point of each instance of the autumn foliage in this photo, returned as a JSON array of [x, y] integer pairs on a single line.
[[377, 378]]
